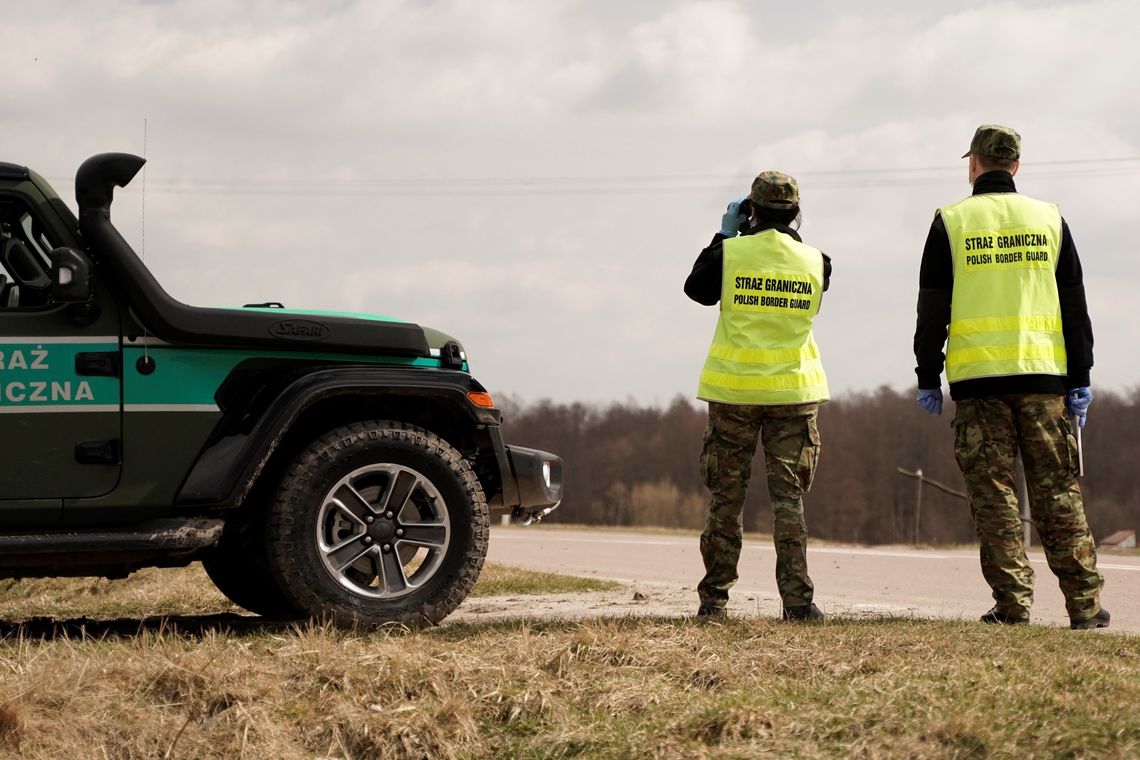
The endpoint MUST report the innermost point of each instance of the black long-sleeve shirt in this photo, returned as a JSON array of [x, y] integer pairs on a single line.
[[703, 284], [936, 285]]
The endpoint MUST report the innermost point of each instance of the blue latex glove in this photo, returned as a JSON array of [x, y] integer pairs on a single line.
[[930, 400], [732, 219], [1078, 403]]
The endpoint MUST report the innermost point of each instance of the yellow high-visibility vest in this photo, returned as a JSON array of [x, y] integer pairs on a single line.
[[763, 351], [1005, 314]]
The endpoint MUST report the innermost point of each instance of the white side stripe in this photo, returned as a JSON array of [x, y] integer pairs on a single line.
[[59, 408], [148, 341], [104, 408], [171, 408], [55, 340]]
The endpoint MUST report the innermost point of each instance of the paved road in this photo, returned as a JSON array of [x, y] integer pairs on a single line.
[[894, 580]]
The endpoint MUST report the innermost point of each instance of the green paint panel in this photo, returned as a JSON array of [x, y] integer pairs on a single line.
[[181, 376], [48, 409], [43, 464], [161, 447], [193, 376], [43, 374], [31, 513]]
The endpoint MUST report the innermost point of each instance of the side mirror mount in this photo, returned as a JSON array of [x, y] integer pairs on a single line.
[[70, 276]]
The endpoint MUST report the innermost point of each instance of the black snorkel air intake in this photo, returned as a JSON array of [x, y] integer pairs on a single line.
[[95, 184], [175, 322], [97, 178]]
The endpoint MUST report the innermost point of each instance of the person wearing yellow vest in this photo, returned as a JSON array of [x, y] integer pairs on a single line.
[[763, 382], [1001, 287]]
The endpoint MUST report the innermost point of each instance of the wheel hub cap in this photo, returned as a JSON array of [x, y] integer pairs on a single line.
[[382, 531]]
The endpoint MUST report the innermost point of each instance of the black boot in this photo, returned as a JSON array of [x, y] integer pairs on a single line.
[[1099, 620], [711, 611], [807, 613], [997, 616]]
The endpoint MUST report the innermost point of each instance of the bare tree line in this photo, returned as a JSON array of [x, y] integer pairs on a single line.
[[637, 466]]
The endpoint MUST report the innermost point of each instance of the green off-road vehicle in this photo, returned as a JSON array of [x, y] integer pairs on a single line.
[[341, 466]]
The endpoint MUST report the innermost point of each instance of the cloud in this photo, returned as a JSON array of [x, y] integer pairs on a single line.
[[537, 178]]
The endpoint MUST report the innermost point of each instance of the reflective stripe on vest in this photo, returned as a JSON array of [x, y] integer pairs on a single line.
[[763, 351], [1005, 314]]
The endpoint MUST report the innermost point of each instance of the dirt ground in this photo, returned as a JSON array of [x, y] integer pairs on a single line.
[[632, 600], [624, 602]]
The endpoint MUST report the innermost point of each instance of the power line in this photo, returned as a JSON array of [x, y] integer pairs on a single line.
[[616, 184]]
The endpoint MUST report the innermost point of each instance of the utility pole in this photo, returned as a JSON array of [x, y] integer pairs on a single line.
[[1022, 498], [922, 480], [917, 505]]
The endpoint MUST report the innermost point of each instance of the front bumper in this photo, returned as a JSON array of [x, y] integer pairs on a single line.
[[531, 483], [538, 477]]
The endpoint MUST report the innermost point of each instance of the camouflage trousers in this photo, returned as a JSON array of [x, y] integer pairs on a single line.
[[988, 432], [790, 441]]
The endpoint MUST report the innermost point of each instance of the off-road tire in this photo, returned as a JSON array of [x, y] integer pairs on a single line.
[[239, 567], [293, 526]]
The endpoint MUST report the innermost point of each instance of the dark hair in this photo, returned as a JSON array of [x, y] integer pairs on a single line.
[[995, 164], [769, 215]]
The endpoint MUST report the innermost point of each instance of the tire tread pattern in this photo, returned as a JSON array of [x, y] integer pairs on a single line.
[[290, 506]]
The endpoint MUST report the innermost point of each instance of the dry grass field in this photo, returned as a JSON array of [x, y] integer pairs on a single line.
[[216, 685]]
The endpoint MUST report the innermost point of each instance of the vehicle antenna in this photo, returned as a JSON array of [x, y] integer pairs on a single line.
[[142, 243]]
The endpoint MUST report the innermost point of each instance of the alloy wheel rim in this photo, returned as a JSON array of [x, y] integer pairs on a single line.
[[383, 531]]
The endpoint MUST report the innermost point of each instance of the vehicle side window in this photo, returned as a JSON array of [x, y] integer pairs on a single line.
[[24, 259]]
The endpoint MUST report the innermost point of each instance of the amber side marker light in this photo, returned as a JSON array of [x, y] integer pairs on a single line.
[[481, 399]]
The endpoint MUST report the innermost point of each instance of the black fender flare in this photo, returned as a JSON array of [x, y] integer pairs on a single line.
[[230, 464]]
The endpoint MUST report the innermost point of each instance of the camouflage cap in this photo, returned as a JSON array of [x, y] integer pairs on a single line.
[[995, 141], [775, 190]]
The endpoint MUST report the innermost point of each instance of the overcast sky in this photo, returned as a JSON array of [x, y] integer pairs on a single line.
[[536, 178]]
